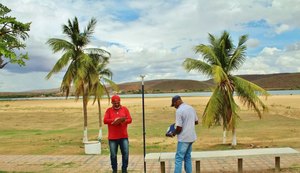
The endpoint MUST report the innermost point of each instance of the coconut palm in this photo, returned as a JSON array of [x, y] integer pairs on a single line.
[[81, 73], [220, 59], [100, 87]]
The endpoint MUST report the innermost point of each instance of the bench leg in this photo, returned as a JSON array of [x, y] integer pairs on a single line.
[[240, 165], [277, 164], [162, 167], [197, 166]]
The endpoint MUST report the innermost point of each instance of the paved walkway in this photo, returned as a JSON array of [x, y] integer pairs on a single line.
[[100, 163]]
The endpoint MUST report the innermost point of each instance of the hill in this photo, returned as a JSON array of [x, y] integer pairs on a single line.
[[166, 85], [279, 81]]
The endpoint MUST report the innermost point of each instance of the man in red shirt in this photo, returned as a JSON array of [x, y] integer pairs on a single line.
[[117, 118]]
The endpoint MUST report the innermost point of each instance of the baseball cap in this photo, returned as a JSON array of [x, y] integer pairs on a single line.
[[174, 99], [115, 98]]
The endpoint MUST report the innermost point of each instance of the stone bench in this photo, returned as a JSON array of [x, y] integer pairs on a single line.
[[239, 154]]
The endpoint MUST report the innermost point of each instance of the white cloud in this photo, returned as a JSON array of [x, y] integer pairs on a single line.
[[253, 43], [282, 28], [158, 38], [269, 51], [272, 60], [13, 82]]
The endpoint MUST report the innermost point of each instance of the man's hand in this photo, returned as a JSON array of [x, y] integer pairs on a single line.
[[118, 121], [172, 134]]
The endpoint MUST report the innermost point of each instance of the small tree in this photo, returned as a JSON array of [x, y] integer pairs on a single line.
[[220, 59], [12, 33], [100, 88], [81, 74]]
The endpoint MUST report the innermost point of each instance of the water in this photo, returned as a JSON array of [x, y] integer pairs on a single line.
[[205, 94], [192, 94]]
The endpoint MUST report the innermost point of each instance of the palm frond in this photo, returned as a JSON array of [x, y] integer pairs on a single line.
[[67, 80], [192, 64], [90, 28], [98, 91], [104, 72], [237, 59], [60, 64], [242, 40], [59, 45], [67, 29], [98, 51], [212, 39], [213, 110], [238, 56], [226, 42], [208, 54], [248, 93], [74, 27], [218, 74], [101, 88], [112, 84]]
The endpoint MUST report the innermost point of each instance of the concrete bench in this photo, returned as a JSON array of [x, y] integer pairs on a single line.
[[239, 154]]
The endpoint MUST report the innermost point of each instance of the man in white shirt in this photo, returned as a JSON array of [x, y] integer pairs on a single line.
[[186, 119]]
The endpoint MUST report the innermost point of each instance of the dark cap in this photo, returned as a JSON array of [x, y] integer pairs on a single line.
[[174, 99]]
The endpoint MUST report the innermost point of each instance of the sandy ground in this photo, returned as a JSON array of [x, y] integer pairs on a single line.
[[23, 114], [280, 102]]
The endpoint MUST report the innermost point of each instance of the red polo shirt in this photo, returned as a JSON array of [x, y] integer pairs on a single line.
[[117, 131]]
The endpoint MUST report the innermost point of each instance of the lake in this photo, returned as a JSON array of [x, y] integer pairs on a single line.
[[192, 94]]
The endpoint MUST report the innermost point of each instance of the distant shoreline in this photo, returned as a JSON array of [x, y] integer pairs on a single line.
[[159, 95]]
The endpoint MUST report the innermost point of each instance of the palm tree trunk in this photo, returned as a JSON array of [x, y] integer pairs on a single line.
[[100, 120], [224, 136], [234, 142], [85, 100]]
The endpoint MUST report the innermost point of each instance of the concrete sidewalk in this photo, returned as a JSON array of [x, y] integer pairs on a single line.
[[101, 163]]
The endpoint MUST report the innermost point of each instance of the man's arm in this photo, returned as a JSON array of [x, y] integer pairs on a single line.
[[128, 119], [175, 132], [107, 119]]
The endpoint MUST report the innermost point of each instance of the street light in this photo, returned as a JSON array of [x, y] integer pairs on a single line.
[[144, 133]]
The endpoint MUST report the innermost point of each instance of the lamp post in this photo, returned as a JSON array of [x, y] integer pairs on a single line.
[[144, 133]]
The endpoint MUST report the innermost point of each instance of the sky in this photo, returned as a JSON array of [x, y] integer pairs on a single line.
[[154, 37]]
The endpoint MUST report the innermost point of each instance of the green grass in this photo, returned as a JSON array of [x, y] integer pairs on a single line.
[[56, 127], [14, 172]]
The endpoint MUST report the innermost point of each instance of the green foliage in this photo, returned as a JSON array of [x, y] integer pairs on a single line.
[[12, 35], [81, 71], [220, 59], [86, 71]]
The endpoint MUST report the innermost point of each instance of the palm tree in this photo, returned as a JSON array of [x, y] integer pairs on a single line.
[[220, 59], [100, 87], [81, 73]]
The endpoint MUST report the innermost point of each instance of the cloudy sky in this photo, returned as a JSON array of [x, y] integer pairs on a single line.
[[154, 37]]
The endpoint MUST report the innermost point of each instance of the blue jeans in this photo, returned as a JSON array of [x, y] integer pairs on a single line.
[[113, 147], [183, 153]]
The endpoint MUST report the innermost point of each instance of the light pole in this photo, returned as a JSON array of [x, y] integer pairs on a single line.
[[144, 133]]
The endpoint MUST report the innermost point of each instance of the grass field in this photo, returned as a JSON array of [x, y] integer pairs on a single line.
[[55, 127]]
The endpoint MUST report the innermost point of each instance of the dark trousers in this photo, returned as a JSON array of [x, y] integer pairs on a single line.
[[124, 147]]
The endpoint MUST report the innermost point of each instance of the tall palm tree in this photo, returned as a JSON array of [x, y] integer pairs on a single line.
[[100, 88], [220, 59], [81, 73]]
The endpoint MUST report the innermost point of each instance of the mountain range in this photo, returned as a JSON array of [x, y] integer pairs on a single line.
[[279, 81]]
